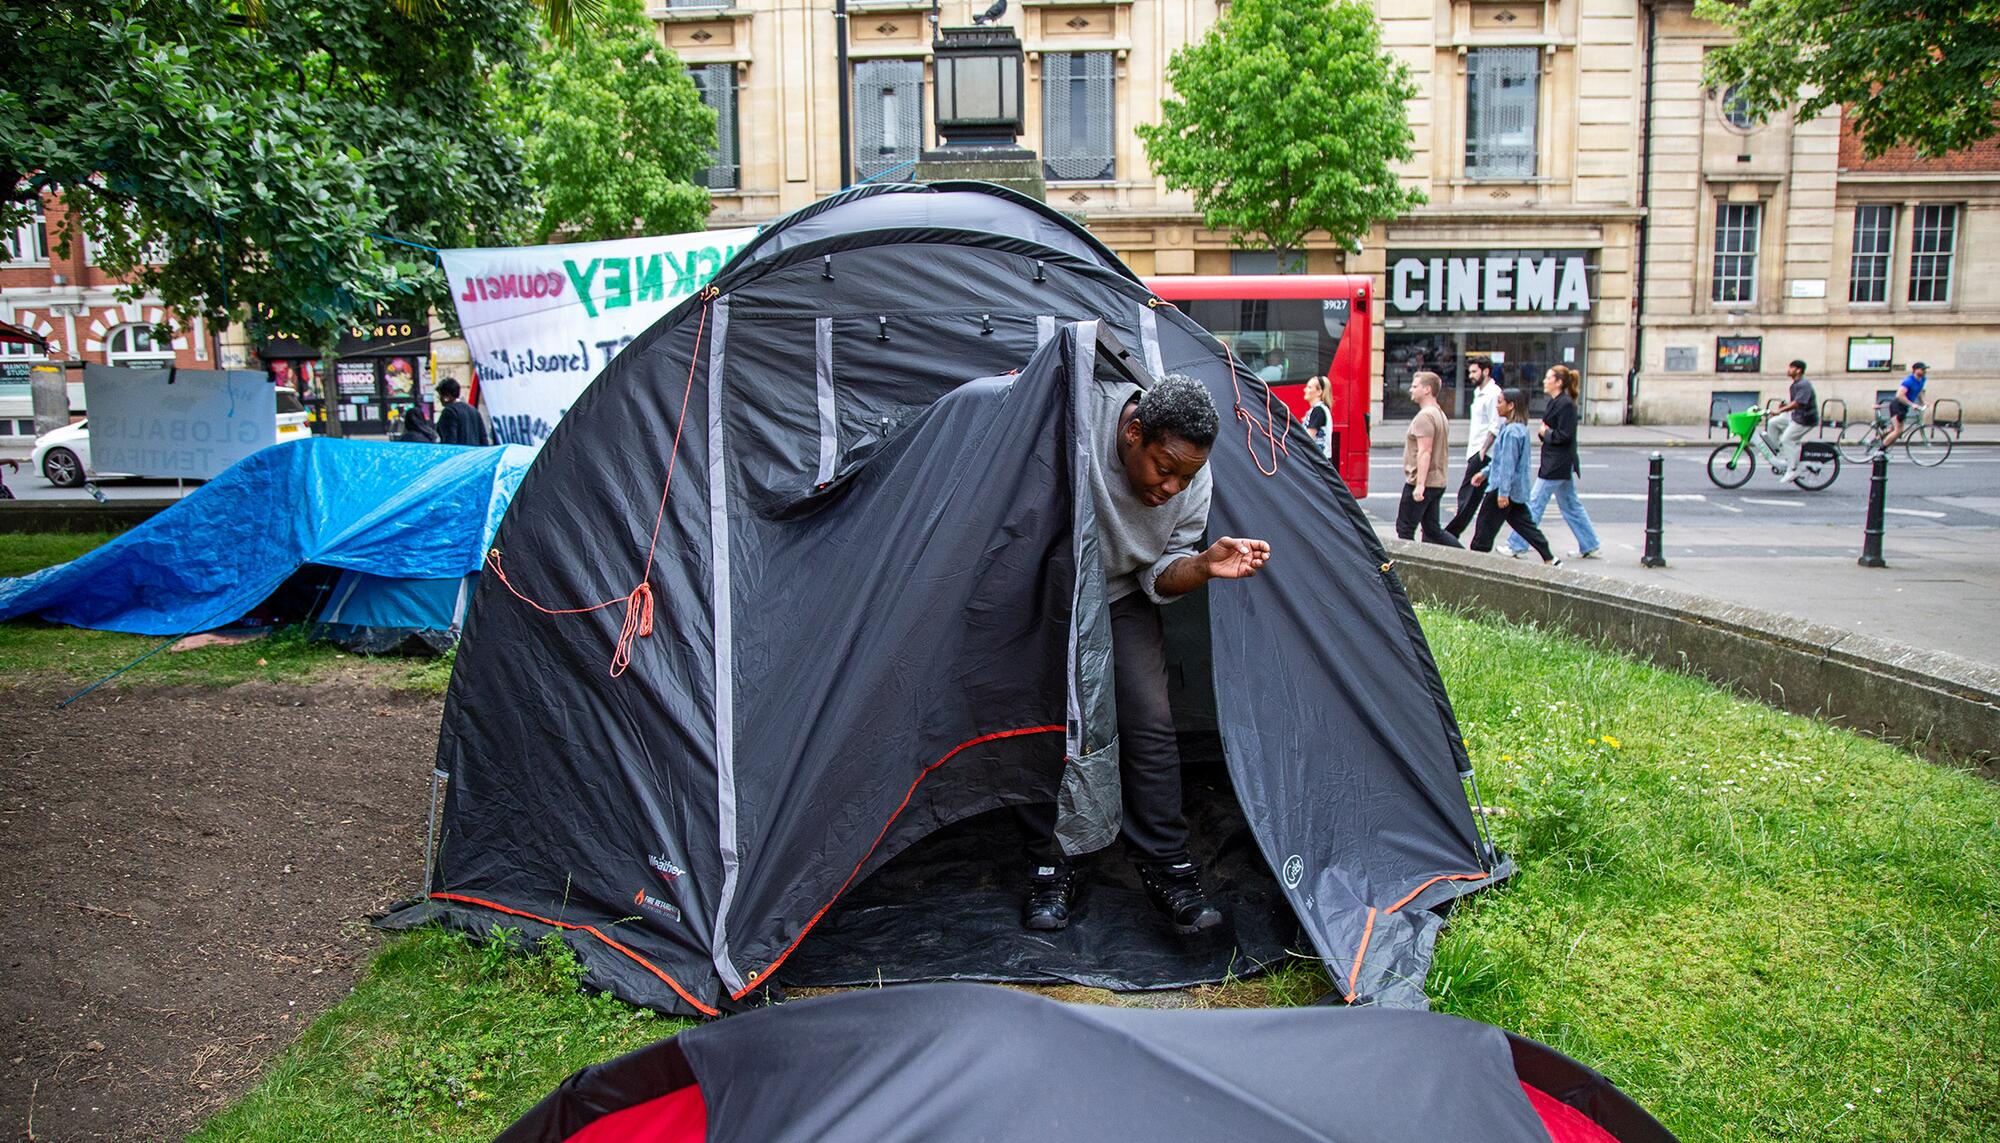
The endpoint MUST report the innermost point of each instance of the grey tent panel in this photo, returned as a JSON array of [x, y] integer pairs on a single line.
[[950, 1063]]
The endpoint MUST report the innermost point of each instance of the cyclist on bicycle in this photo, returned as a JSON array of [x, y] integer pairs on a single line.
[[1803, 405], [1909, 395]]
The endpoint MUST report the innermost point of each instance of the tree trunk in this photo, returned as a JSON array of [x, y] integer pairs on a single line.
[[329, 395]]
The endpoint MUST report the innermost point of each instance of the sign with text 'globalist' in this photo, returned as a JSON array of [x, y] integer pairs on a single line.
[[1489, 282], [542, 321], [190, 423]]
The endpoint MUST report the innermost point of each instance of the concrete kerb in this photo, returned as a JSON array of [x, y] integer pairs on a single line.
[[1938, 704], [77, 515]]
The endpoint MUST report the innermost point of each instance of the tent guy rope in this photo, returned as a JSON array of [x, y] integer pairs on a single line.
[[639, 601]]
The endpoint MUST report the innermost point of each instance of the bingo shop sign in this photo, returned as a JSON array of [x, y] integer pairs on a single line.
[[542, 321]]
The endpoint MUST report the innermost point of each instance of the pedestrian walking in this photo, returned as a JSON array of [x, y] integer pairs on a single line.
[[1479, 444], [1556, 477], [459, 423], [1506, 483], [1803, 405], [1424, 465], [416, 426], [1319, 416]]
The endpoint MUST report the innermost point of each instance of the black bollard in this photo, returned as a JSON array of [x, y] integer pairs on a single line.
[[1871, 536], [1656, 483]]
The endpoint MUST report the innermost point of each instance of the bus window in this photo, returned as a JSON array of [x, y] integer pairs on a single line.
[[1287, 329]]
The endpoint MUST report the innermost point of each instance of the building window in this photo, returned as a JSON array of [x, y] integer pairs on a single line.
[[1868, 269], [28, 243], [888, 116], [1933, 239], [717, 84], [135, 346], [1736, 233], [1736, 109], [1077, 115], [1502, 87], [676, 5]]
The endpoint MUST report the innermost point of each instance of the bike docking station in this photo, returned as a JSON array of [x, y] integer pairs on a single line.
[[1878, 495]]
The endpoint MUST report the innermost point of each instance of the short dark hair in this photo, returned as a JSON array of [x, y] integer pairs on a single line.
[[1485, 363], [1799, 364], [1917, 366], [448, 387], [1517, 403], [1178, 405]]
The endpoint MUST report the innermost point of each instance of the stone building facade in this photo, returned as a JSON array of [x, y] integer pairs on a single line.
[[1533, 123]]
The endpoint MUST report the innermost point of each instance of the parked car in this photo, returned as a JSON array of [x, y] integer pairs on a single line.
[[63, 456]]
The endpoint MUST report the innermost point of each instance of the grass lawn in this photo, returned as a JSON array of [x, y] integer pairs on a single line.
[[1761, 927], [79, 657]]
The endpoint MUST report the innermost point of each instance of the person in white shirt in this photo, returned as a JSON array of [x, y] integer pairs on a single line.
[[1479, 445], [1274, 367]]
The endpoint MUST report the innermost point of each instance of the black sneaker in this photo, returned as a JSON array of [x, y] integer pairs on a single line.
[[1051, 896], [1176, 891]]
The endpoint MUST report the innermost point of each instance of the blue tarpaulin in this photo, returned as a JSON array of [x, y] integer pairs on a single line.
[[383, 508]]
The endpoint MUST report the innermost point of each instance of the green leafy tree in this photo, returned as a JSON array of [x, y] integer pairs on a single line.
[[1920, 72], [1286, 119], [240, 162], [616, 132]]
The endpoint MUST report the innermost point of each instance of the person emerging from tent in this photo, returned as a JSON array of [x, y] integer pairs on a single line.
[[1150, 487]]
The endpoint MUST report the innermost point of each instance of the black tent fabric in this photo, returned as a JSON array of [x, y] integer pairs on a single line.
[[970, 1062], [804, 577]]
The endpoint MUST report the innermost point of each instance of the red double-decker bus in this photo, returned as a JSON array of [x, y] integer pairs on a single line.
[[1287, 328]]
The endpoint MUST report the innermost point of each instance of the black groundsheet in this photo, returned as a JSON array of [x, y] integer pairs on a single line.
[[949, 908]]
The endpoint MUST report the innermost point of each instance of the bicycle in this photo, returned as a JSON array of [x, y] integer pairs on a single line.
[[1732, 465], [1926, 444]]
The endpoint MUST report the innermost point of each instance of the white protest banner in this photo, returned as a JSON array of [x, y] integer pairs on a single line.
[[542, 321], [189, 423]]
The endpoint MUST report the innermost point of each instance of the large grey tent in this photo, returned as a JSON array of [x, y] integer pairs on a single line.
[[801, 595]]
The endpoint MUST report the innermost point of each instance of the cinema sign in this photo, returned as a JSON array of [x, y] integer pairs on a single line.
[[1491, 282]]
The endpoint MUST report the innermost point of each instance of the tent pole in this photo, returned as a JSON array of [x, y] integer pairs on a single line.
[[438, 779], [1479, 816]]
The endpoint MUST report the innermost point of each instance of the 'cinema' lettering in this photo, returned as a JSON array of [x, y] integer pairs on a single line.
[[1490, 285]]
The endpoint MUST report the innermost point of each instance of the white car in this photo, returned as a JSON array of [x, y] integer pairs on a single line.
[[63, 456]]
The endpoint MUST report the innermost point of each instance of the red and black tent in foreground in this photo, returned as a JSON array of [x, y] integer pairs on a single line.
[[963, 1062]]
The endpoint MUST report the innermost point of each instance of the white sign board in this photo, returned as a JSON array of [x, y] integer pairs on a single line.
[[542, 321], [190, 423]]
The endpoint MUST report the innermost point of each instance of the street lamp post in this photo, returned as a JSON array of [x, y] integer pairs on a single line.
[[980, 75]]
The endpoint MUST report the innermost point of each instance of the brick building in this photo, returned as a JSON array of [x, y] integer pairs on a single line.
[[55, 290]]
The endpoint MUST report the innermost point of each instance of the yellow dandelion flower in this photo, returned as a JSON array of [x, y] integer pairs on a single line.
[[1613, 743]]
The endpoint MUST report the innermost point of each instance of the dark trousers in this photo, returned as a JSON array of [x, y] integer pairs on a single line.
[[1149, 756], [1516, 516], [1410, 516], [1469, 496]]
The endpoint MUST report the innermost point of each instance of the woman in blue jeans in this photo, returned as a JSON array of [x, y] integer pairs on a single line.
[[1559, 468]]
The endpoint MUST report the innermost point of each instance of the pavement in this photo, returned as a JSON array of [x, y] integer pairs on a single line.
[[1785, 551]]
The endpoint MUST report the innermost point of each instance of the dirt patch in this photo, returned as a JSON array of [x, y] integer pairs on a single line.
[[185, 880]]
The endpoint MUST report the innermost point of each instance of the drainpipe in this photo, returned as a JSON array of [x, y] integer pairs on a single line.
[[846, 94], [1645, 220]]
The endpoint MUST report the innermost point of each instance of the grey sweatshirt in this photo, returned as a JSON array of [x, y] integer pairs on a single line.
[[1136, 542]]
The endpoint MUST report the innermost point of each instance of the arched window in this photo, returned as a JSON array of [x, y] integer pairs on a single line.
[[1736, 109], [134, 346]]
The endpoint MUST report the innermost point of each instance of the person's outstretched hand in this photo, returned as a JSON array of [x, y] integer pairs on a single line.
[[1231, 558]]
